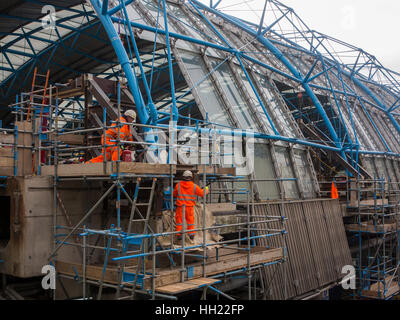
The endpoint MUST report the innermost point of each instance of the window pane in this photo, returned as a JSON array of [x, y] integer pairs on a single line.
[[391, 170], [275, 107], [177, 15], [380, 166], [264, 170], [158, 14], [254, 101], [210, 101], [369, 166], [285, 167], [235, 99], [396, 168], [304, 173]]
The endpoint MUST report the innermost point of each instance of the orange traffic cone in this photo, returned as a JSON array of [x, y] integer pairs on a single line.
[[334, 191]]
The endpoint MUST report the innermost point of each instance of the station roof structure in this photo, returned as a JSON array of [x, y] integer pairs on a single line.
[[268, 77]]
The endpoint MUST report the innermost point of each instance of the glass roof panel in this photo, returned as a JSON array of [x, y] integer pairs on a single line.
[[275, 106], [235, 100], [254, 101], [204, 87]]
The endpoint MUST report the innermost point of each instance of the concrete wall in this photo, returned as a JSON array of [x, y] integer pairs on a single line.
[[31, 235]]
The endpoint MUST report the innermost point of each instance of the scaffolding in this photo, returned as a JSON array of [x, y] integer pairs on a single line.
[[375, 230], [330, 98], [130, 257], [133, 251]]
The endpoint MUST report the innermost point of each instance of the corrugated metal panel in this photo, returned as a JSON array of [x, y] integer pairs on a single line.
[[300, 250], [316, 243], [285, 272], [320, 242], [335, 228], [274, 275]]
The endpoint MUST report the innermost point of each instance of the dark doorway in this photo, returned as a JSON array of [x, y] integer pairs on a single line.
[[4, 221]]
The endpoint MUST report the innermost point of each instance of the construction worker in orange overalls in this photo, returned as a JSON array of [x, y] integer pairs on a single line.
[[125, 134], [185, 193], [334, 191]]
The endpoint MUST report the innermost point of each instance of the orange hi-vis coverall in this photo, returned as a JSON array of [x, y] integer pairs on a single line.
[[125, 134], [185, 193]]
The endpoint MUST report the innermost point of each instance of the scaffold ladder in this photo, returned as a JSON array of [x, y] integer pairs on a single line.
[[142, 219], [34, 86], [141, 260], [135, 205]]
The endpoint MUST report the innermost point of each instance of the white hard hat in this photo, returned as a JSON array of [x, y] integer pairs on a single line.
[[130, 113], [188, 174]]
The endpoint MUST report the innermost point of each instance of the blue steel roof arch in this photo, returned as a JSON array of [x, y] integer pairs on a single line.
[[280, 56], [315, 40], [124, 60], [353, 71], [108, 21], [297, 75], [310, 36]]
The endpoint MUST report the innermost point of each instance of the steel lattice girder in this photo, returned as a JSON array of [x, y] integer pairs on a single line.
[[356, 71]]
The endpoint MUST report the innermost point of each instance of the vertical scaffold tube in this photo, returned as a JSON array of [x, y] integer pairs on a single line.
[[126, 66]]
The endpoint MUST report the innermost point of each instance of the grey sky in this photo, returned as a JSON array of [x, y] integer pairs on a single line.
[[370, 25]]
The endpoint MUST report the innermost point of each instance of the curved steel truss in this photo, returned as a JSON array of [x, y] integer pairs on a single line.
[[362, 95], [273, 77]]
